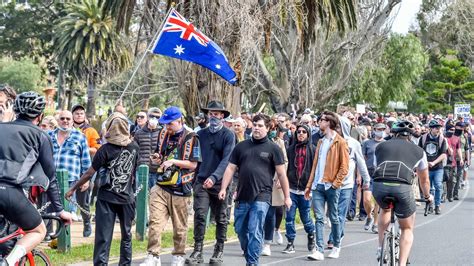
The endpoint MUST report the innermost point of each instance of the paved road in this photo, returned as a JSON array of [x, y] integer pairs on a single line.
[[446, 239]]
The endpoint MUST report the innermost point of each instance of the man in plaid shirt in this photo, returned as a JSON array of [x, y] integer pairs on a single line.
[[71, 153]]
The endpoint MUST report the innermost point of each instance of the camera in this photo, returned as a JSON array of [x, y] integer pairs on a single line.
[[167, 174]]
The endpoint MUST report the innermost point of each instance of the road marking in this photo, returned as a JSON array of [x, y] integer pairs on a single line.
[[467, 189]]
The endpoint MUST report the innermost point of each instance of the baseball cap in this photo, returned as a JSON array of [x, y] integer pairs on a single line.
[[170, 114], [77, 106]]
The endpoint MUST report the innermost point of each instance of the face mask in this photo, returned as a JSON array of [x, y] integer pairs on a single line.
[[63, 129], [457, 132], [272, 134], [215, 124], [379, 134], [202, 124], [449, 134], [153, 122]]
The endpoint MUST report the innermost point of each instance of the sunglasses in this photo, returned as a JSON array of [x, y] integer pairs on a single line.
[[301, 132], [140, 116], [65, 118], [154, 116]]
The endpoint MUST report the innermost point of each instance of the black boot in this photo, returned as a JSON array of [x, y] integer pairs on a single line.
[[87, 232], [311, 242], [196, 256], [218, 254], [437, 210]]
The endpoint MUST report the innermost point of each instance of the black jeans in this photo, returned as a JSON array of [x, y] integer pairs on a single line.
[[203, 199], [104, 228]]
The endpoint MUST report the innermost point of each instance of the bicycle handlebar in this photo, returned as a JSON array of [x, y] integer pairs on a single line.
[[426, 206], [54, 216]]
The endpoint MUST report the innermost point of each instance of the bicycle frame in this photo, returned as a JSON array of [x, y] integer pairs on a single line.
[[389, 254]]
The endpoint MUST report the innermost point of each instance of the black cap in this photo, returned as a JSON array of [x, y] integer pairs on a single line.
[[77, 106]]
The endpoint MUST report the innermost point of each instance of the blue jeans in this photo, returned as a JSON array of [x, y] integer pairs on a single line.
[[304, 206], [343, 206], [353, 203], [249, 218], [436, 183], [152, 180], [72, 207], [331, 197]]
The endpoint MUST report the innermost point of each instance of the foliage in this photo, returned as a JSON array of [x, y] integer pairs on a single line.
[[390, 77], [23, 75], [88, 47], [447, 83]]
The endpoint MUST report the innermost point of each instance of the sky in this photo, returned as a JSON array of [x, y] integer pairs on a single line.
[[406, 16]]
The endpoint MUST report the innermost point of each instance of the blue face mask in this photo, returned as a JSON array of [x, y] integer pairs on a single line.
[[272, 134], [215, 124]]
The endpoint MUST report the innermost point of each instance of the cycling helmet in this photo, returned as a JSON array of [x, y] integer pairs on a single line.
[[434, 123], [30, 104], [404, 128]]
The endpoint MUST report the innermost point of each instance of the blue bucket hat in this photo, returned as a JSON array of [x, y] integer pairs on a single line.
[[170, 114]]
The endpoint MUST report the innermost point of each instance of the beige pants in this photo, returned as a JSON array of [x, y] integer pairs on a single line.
[[164, 205]]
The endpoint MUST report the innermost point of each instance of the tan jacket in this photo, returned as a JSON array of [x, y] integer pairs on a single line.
[[337, 163]]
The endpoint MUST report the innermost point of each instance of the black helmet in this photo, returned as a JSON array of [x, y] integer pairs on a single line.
[[434, 123], [404, 128], [30, 104]]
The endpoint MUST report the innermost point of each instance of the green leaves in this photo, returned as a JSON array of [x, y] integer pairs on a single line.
[[23, 75]]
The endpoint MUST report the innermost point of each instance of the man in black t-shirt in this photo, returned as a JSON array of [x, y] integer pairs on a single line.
[[435, 146], [115, 197], [257, 159]]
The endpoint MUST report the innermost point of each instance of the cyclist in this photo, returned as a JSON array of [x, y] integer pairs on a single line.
[[26, 159], [396, 160]]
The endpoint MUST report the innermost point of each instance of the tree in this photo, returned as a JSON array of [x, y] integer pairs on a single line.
[[447, 83], [22, 75], [392, 75], [88, 47]]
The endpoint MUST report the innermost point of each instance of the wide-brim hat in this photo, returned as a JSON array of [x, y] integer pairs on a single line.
[[216, 106]]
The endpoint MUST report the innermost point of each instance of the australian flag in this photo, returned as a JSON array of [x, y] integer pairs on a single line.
[[180, 39]]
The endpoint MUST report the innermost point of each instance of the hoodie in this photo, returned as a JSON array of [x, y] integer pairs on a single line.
[[299, 182], [356, 159]]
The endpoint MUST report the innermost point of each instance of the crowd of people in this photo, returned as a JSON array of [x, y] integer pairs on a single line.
[[263, 167]]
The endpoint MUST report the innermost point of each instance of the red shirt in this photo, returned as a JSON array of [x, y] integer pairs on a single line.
[[454, 143]]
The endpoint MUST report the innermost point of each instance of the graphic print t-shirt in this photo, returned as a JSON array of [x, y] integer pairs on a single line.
[[119, 163]]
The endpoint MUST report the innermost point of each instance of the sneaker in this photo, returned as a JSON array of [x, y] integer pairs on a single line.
[[368, 223], [79, 218], [437, 210], [177, 261], [278, 237], [456, 198], [74, 217], [151, 261], [379, 253], [334, 254], [266, 251], [375, 229], [330, 245], [311, 242], [290, 248], [316, 255]]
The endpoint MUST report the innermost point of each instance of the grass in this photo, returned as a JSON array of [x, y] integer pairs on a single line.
[[85, 252]]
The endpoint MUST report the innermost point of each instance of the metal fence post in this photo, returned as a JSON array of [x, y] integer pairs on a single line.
[[142, 202], [64, 239]]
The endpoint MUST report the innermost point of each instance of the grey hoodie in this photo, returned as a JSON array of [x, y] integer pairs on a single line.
[[356, 159]]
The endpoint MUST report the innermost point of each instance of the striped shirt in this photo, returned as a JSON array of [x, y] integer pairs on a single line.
[[73, 155]]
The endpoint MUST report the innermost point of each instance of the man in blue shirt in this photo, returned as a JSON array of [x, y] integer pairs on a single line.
[[71, 153]]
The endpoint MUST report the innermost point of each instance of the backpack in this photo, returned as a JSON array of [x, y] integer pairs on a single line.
[[441, 140]]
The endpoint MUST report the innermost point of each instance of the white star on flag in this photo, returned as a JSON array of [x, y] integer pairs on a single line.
[[179, 49], [218, 66]]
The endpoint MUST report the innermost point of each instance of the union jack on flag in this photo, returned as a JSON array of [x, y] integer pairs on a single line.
[[180, 39], [177, 23]]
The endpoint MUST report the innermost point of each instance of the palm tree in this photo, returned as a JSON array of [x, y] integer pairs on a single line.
[[88, 47]]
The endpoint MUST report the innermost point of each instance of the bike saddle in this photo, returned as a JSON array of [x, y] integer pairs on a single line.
[[389, 199]]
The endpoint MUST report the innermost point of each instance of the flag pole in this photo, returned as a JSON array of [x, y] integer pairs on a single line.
[[155, 39]]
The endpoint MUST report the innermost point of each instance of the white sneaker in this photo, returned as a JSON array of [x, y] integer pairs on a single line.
[[151, 261], [74, 217], [278, 237], [334, 253], [316, 255], [177, 261], [266, 251]]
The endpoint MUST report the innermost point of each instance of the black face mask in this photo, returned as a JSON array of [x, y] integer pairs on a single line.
[[449, 134], [458, 132], [202, 125]]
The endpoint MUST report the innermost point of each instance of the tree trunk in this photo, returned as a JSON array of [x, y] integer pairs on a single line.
[[91, 96]]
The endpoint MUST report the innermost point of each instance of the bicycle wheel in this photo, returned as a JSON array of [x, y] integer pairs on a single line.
[[40, 259], [385, 252]]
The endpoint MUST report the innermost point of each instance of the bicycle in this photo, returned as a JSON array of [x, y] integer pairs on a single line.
[[36, 256], [390, 252]]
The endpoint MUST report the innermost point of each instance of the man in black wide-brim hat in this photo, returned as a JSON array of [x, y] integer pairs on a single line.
[[217, 143]]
